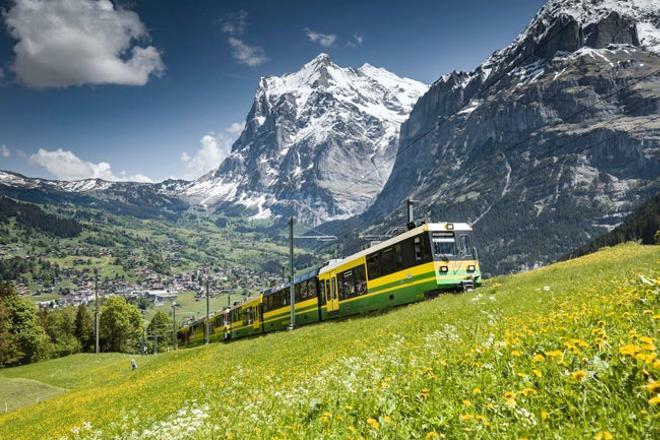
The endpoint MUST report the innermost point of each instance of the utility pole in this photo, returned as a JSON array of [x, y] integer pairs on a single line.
[[292, 290], [208, 312], [96, 310], [174, 324]]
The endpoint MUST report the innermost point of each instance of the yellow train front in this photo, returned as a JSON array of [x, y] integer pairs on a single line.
[[417, 264]]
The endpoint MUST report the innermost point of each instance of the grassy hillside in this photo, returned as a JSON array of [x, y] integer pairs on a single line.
[[567, 351]]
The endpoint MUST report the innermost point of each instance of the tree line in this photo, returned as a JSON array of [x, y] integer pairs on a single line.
[[34, 217], [30, 335]]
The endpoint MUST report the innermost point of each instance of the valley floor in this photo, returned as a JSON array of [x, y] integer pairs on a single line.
[[566, 351]]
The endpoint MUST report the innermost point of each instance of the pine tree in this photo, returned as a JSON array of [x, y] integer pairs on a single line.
[[84, 328]]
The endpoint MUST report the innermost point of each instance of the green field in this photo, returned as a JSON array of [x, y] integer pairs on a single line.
[[566, 351]]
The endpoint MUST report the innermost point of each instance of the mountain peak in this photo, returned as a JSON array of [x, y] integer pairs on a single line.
[[322, 58], [312, 141]]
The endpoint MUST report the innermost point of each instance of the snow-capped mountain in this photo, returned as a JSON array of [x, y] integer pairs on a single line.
[[138, 199], [552, 140], [318, 143]]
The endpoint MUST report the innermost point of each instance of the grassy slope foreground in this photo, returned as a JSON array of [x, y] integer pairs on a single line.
[[567, 351]]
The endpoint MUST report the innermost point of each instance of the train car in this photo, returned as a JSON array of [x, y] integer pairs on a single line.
[[246, 318], [412, 266], [277, 303]]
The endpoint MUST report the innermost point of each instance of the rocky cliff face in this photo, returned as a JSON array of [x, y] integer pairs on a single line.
[[311, 144], [549, 142]]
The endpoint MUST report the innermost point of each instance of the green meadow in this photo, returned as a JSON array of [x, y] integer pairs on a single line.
[[565, 351]]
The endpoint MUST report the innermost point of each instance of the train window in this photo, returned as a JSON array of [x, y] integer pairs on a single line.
[[311, 285], [422, 251], [373, 265], [465, 245], [444, 243], [334, 288], [389, 260], [360, 281], [327, 290], [346, 285], [322, 292]]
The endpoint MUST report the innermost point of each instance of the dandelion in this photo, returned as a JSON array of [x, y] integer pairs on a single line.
[[387, 419], [645, 357], [516, 353], [373, 423], [467, 402], [630, 350], [654, 400], [538, 357], [432, 435], [424, 393], [553, 353], [527, 391], [652, 386], [537, 373], [603, 435], [476, 390], [578, 375], [545, 415], [466, 417]]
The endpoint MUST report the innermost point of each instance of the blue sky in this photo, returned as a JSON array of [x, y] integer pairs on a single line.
[[71, 107]]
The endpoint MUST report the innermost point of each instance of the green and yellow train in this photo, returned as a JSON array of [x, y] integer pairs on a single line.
[[417, 264]]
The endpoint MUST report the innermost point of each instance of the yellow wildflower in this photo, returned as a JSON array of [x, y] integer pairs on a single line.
[[538, 373], [467, 402], [465, 417], [527, 391], [630, 350], [653, 386], [603, 435], [578, 375], [373, 423], [516, 353], [387, 419], [545, 415], [538, 357], [553, 353], [654, 400], [424, 393], [432, 435], [645, 357], [476, 390]]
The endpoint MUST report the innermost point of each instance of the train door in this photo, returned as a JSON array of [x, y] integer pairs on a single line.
[[332, 297], [256, 323]]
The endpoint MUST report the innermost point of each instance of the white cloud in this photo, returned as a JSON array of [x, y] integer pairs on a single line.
[[356, 41], [325, 40], [4, 152], [234, 23], [213, 150], [65, 43], [246, 54], [236, 128], [65, 165]]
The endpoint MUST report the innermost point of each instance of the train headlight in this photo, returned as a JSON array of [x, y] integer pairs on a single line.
[[471, 268], [444, 269]]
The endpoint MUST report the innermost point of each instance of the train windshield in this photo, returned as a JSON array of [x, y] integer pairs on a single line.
[[444, 244]]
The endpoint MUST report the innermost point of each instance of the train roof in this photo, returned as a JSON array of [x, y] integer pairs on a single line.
[[427, 227]]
